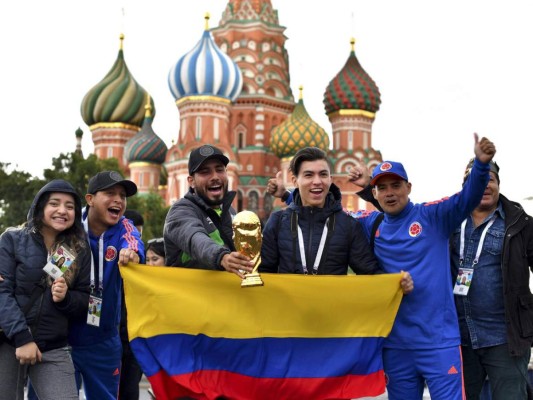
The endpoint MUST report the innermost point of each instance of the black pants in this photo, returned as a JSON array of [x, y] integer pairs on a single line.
[[130, 375]]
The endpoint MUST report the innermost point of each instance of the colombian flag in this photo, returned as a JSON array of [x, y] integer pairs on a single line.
[[197, 333]]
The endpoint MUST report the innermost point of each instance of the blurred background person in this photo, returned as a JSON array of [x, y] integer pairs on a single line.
[[155, 252]]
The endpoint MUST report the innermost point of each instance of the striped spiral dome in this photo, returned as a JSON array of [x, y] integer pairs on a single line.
[[352, 88], [205, 70], [117, 98], [146, 145]]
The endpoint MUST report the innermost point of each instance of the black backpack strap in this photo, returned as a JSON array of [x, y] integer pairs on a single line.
[[375, 227], [331, 228], [294, 234]]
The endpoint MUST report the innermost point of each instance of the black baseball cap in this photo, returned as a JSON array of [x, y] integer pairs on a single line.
[[202, 154], [106, 179]]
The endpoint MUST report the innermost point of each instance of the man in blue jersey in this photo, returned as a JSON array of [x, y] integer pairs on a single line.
[[95, 340], [424, 344]]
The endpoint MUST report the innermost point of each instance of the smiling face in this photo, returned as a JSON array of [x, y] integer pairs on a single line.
[[392, 194], [106, 208], [58, 214], [210, 182], [313, 182]]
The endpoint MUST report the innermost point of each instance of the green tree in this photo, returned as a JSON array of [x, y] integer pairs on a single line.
[[17, 191], [152, 208], [77, 170]]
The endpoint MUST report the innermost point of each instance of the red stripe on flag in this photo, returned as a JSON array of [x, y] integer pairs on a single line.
[[206, 385]]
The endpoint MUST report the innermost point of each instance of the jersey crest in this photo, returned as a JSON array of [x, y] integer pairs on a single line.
[[415, 229], [110, 253]]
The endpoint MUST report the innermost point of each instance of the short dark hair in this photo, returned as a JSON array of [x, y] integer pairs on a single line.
[[157, 245], [135, 217], [307, 154]]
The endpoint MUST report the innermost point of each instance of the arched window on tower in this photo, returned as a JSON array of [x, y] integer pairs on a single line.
[[239, 200], [269, 201], [183, 127], [198, 128], [350, 140], [241, 141], [216, 132], [253, 201]]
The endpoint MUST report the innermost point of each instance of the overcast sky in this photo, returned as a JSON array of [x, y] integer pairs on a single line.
[[445, 69]]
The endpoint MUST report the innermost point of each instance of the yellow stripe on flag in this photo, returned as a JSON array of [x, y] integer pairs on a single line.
[[168, 300]]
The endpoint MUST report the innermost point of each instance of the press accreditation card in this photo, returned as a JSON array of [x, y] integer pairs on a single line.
[[463, 281], [59, 262], [95, 310]]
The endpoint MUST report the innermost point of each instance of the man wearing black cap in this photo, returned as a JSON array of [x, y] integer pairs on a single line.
[[198, 231], [492, 254], [95, 340]]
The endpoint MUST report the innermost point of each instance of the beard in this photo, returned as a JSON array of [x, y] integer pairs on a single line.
[[213, 202]]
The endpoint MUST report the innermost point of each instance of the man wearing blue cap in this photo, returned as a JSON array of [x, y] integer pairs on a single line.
[[424, 344]]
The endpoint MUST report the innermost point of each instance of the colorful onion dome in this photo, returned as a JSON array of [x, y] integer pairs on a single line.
[[118, 98], [146, 145], [352, 88], [205, 71], [297, 132], [249, 10]]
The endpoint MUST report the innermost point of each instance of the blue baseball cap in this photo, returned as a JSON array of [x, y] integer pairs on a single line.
[[388, 168]]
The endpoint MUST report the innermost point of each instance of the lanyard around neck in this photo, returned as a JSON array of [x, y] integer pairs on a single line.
[[318, 253], [480, 244], [100, 258]]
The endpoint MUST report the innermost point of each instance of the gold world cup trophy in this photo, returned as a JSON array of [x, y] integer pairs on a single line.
[[247, 238]]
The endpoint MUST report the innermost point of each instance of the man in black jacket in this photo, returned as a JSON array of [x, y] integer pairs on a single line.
[[314, 235], [492, 254]]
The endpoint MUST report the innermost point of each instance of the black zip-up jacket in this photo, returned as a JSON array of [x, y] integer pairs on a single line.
[[517, 261], [346, 247], [23, 255]]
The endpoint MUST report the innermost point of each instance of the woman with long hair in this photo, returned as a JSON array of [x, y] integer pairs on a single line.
[[35, 309]]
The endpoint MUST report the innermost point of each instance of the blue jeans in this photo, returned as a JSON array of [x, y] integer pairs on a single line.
[[508, 375]]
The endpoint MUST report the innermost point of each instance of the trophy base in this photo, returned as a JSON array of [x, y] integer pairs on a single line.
[[250, 280]]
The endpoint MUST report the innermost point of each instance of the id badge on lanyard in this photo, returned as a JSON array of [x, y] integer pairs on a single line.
[[94, 311], [465, 275]]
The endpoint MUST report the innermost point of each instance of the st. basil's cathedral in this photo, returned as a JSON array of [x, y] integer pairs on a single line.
[[233, 90]]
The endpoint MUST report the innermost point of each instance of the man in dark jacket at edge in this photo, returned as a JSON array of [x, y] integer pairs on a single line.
[[314, 235], [198, 228], [495, 246]]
